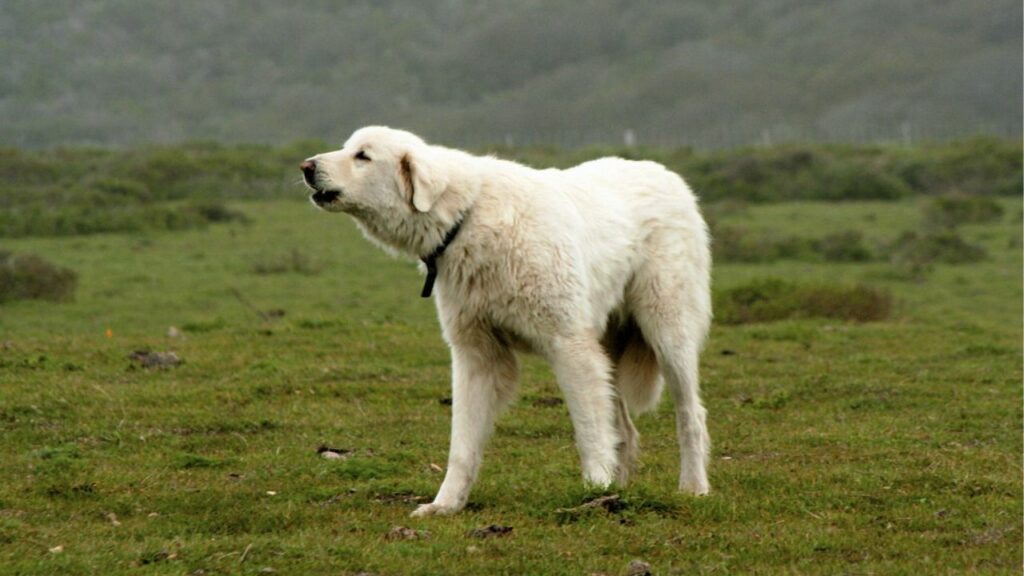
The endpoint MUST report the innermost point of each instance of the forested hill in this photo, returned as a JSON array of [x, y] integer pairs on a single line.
[[709, 73]]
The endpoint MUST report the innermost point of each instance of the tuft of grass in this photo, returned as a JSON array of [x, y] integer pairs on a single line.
[[361, 468], [200, 326], [771, 299], [31, 277], [294, 261], [57, 453], [320, 324], [190, 461]]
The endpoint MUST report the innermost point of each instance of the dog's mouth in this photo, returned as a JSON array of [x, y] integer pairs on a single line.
[[325, 197]]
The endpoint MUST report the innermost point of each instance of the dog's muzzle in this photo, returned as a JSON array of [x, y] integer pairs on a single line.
[[325, 197], [320, 196]]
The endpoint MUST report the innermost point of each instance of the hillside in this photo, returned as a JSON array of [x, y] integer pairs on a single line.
[[118, 72]]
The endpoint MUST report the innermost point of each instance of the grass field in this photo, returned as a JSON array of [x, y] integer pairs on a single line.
[[890, 447]]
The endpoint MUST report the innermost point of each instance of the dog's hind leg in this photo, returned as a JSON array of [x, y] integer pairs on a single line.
[[673, 310], [679, 361], [484, 374]]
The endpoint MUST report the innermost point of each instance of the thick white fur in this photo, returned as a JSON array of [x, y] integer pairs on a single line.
[[603, 269]]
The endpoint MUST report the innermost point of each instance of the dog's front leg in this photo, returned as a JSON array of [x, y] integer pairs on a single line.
[[483, 380], [583, 371]]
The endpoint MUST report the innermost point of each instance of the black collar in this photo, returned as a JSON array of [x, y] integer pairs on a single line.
[[431, 259]]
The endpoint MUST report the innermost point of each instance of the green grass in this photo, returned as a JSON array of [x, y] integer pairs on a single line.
[[889, 447]]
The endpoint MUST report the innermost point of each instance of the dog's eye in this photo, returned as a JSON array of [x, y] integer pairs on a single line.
[[361, 155]]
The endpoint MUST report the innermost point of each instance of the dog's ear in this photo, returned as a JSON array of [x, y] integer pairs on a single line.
[[423, 184]]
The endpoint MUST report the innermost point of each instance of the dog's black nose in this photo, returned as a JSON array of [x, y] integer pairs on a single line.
[[308, 171]]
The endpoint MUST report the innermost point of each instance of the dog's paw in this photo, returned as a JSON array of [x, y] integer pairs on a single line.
[[696, 487], [434, 509]]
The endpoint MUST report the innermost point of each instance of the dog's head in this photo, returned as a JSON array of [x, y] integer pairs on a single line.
[[378, 171]]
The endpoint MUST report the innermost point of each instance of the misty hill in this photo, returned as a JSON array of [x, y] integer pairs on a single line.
[[703, 72]]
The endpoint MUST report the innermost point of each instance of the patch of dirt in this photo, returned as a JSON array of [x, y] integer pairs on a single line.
[[333, 453], [150, 359], [638, 568], [338, 497], [404, 533], [399, 498], [990, 536], [612, 504], [492, 531]]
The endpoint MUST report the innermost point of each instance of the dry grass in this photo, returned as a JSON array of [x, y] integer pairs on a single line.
[[770, 299], [31, 277]]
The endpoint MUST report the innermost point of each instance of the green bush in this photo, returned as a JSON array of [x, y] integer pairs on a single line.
[[733, 244], [983, 167], [30, 277], [35, 220], [85, 190], [856, 181], [771, 299], [946, 247], [216, 212], [950, 211], [123, 189], [17, 167], [974, 167], [847, 246]]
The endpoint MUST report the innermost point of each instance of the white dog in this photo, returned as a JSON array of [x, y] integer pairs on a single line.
[[603, 269]]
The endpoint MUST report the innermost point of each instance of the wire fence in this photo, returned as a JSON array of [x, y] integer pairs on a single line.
[[727, 136]]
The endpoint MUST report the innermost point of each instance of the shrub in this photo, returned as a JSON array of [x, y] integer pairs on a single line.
[[850, 181], [124, 189], [29, 277], [914, 255], [845, 246], [945, 247], [84, 190], [977, 167], [731, 244], [791, 173], [35, 220], [25, 167], [770, 299], [216, 212], [951, 211]]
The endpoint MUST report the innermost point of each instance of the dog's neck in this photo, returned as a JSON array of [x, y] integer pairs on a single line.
[[430, 260], [419, 235]]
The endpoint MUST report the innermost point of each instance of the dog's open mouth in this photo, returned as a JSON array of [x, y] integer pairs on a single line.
[[324, 197]]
